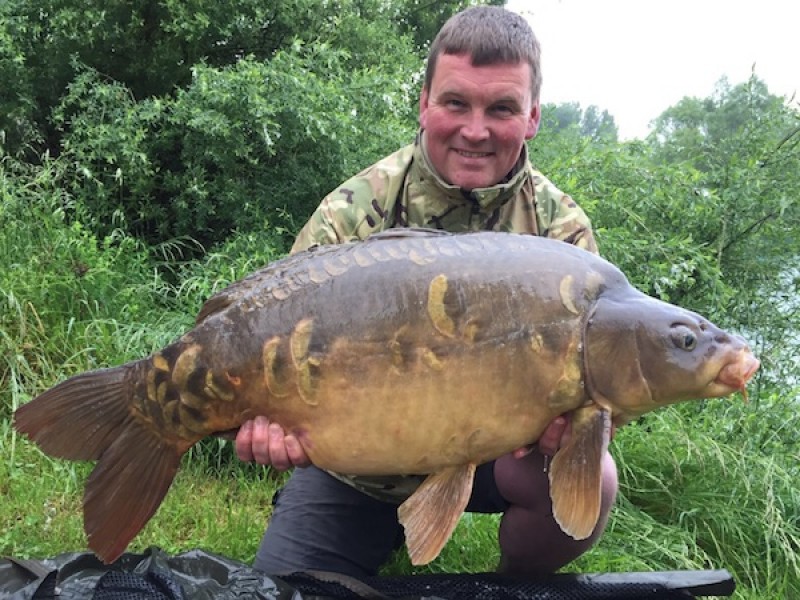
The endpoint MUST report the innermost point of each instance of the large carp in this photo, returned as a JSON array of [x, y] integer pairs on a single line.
[[413, 352]]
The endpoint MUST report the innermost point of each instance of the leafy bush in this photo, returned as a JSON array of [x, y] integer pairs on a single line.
[[194, 120], [151, 46], [254, 141]]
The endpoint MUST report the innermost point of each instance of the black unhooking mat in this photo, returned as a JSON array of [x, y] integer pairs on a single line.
[[196, 574]]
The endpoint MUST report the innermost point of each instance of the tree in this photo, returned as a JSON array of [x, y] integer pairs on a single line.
[[590, 123], [598, 125], [422, 19], [704, 213], [745, 142], [234, 150], [195, 119], [151, 46]]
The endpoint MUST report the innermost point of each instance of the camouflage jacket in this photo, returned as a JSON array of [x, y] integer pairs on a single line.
[[403, 190]]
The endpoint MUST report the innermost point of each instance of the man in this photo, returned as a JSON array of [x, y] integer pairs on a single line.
[[468, 170]]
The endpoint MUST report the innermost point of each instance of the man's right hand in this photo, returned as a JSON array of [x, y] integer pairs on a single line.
[[266, 443], [553, 437]]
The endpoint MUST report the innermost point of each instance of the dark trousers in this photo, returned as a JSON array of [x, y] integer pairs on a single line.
[[321, 523]]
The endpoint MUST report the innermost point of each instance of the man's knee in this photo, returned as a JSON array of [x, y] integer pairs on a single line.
[[610, 483], [531, 541], [321, 523]]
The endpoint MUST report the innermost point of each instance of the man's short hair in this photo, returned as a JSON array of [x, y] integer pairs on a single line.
[[490, 35]]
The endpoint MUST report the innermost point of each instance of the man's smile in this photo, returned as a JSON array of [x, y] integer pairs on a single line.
[[467, 154]]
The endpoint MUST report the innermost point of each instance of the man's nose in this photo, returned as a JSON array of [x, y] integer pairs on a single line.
[[475, 128]]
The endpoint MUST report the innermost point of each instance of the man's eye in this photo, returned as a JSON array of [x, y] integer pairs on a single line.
[[455, 104], [502, 109]]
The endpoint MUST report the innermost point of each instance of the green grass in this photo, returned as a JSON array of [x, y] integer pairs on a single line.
[[224, 512], [686, 503]]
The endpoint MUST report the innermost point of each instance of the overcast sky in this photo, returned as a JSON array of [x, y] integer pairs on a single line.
[[635, 58]]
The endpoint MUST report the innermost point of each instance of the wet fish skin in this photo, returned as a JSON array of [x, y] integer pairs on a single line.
[[409, 353]]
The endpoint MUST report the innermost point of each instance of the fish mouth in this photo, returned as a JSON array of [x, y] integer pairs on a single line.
[[735, 375]]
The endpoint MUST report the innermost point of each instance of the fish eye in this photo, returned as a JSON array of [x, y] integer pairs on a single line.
[[684, 339], [689, 341]]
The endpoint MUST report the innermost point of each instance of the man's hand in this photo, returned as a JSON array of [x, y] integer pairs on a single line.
[[553, 437], [267, 444]]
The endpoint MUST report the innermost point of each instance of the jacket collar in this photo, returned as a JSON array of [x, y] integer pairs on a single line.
[[489, 198]]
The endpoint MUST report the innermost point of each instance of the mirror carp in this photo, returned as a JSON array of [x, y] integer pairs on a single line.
[[412, 352]]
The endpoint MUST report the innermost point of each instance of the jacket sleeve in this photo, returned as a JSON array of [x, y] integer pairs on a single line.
[[572, 225], [560, 217], [362, 205]]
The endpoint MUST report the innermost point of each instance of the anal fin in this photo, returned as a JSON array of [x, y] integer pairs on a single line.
[[576, 472], [430, 514]]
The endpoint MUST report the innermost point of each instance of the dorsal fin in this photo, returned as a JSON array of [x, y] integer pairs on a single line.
[[407, 232]]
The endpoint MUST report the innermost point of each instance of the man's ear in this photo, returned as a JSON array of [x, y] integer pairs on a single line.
[[423, 107], [533, 121]]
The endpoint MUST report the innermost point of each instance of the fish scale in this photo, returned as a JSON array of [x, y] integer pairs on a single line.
[[412, 353]]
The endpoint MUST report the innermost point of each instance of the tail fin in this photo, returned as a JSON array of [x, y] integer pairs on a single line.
[[90, 417]]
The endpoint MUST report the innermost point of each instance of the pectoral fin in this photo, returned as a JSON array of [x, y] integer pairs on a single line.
[[575, 473], [430, 514]]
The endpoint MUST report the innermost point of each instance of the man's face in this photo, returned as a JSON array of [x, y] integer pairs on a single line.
[[476, 119]]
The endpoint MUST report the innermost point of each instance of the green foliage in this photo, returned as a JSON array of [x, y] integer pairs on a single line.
[[62, 289], [590, 123], [241, 255], [151, 46], [647, 217], [667, 460], [194, 119], [233, 148], [16, 94], [69, 302], [53, 261], [705, 213], [704, 130], [423, 19], [744, 144]]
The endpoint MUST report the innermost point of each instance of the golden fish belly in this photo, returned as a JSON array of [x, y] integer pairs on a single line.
[[464, 403]]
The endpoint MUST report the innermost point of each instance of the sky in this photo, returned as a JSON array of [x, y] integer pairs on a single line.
[[636, 58]]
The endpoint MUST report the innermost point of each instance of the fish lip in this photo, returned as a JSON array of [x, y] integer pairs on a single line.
[[754, 365], [735, 375]]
